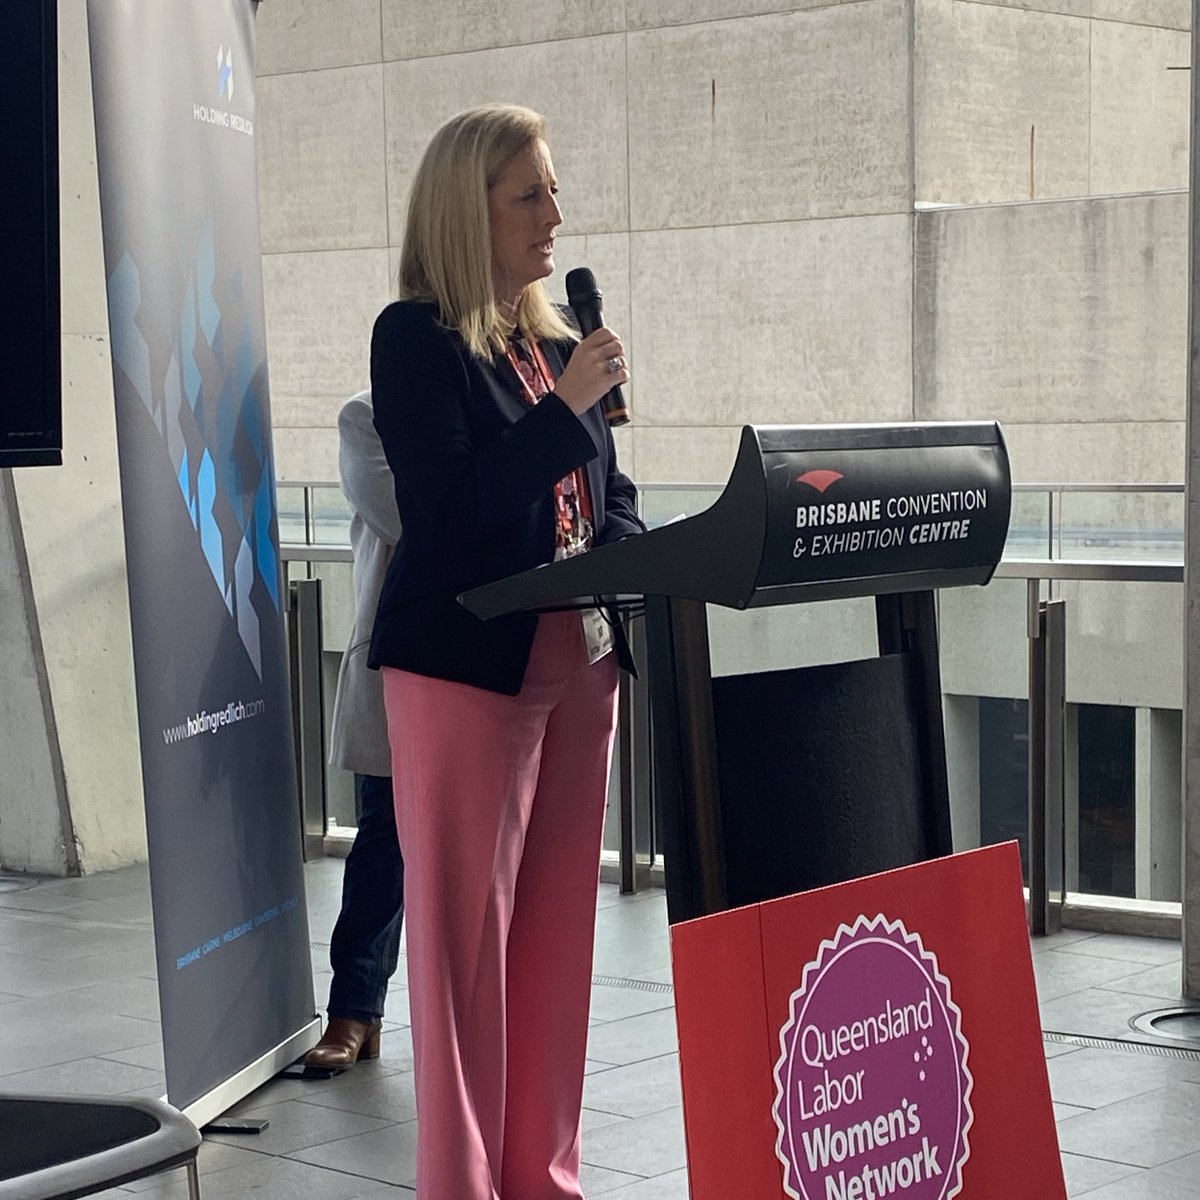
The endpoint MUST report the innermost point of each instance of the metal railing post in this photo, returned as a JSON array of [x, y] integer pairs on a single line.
[[308, 710], [1047, 733]]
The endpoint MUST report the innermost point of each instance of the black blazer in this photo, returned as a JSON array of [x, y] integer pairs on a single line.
[[475, 470]]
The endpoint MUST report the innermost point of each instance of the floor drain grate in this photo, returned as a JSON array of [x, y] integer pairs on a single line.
[[1097, 1043], [637, 985]]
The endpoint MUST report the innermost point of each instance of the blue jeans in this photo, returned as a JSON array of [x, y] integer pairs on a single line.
[[365, 945]]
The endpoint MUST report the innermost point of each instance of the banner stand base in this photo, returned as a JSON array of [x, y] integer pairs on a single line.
[[209, 1107], [237, 1125]]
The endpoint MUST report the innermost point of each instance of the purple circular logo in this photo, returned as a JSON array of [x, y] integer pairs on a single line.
[[872, 1089]]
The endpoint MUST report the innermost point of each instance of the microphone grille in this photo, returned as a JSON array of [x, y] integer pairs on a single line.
[[581, 285]]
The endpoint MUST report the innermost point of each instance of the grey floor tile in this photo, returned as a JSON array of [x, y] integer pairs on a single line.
[[1154, 951], [598, 1181], [85, 1076], [1059, 973], [636, 1090], [1058, 941], [149, 1054], [671, 1186], [1058, 1049], [40, 977], [657, 975], [390, 1097], [65, 1041], [70, 945], [271, 1178], [43, 900], [105, 885], [635, 1038], [1165, 981], [134, 996], [280, 1089], [1063, 1111], [386, 1193], [617, 1003], [295, 1126], [1147, 1185], [213, 1157], [595, 1119], [388, 1155], [1097, 1013], [647, 1146], [1084, 1174], [1096, 1078], [1146, 1131]]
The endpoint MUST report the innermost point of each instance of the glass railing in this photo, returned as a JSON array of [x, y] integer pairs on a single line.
[[1113, 553]]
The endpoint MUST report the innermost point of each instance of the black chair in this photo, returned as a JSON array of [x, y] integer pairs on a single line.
[[60, 1147]]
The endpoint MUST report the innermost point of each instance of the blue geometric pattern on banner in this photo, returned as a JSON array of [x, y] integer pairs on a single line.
[[207, 407], [129, 347]]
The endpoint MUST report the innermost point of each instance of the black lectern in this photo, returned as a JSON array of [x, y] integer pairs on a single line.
[[780, 781]]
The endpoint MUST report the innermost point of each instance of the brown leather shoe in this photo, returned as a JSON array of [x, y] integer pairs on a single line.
[[344, 1043]]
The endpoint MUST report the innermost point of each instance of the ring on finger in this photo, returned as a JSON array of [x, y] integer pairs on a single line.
[[615, 364]]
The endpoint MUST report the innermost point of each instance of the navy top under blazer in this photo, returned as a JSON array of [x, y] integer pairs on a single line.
[[475, 470]]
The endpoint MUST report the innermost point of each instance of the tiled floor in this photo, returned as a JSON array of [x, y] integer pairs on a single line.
[[81, 1014]]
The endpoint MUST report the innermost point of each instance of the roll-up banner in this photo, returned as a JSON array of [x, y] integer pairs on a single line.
[[174, 99]]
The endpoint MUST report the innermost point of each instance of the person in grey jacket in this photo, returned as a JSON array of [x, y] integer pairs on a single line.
[[365, 945]]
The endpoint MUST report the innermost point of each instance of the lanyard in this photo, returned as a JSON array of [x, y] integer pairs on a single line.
[[539, 364]]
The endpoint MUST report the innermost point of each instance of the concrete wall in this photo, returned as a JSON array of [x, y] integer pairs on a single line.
[[757, 245], [72, 768], [753, 243]]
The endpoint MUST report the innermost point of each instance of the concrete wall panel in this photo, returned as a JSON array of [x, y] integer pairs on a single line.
[[986, 76], [34, 824], [771, 118], [684, 454], [320, 310], [314, 35], [652, 14], [418, 29], [1139, 127], [587, 122], [84, 301], [1097, 452], [74, 539], [1170, 14], [1056, 313], [1066, 8], [321, 160], [785, 323], [306, 454]]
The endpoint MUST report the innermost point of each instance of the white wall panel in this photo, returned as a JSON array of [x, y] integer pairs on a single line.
[[785, 323], [1057, 313], [321, 160], [986, 76], [314, 35], [320, 311], [1140, 108], [420, 29], [771, 118], [578, 85]]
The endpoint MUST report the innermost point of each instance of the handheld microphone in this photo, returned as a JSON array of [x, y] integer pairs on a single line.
[[584, 298]]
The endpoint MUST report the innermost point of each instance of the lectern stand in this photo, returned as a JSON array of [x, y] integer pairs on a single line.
[[776, 782]]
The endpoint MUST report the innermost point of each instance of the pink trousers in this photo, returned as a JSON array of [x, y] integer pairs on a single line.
[[499, 807]]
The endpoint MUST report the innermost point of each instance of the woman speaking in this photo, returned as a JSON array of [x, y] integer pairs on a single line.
[[501, 731]]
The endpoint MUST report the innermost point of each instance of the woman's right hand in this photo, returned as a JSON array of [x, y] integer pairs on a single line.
[[588, 374]]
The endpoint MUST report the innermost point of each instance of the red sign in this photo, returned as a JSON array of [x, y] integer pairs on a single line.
[[874, 1039]]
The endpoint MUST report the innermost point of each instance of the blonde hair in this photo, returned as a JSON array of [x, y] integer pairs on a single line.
[[447, 251]]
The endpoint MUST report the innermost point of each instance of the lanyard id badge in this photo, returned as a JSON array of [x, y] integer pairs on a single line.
[[597, 635]]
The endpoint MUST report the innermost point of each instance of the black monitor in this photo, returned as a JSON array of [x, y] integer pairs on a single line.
[[30, 378]]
